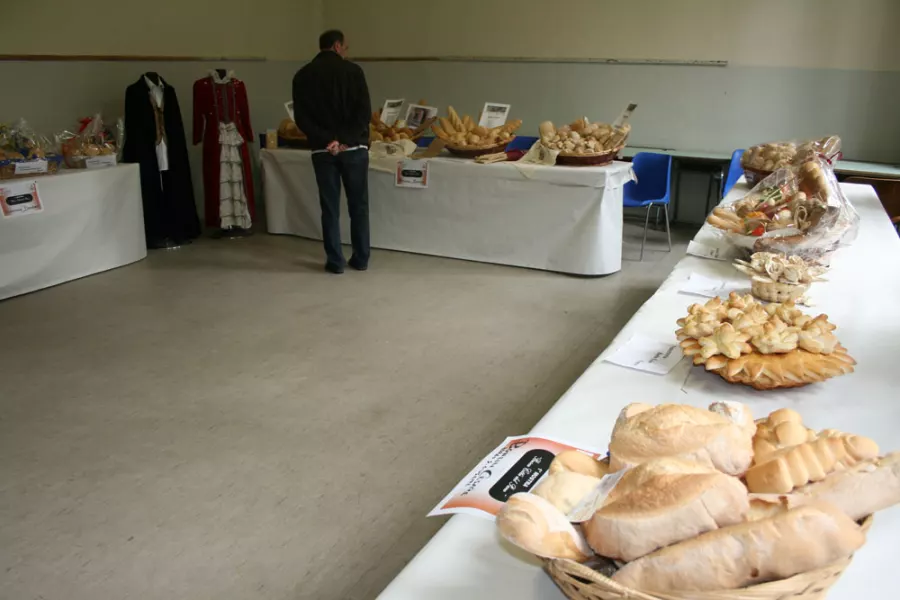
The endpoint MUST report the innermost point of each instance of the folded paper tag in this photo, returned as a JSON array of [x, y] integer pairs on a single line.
[[713, 252], [591, 503], [701, 285], [646, 354]]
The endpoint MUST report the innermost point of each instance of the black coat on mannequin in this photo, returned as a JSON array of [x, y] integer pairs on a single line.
[[168, 196]]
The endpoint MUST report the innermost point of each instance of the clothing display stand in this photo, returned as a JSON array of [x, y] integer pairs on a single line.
[[222, 123]]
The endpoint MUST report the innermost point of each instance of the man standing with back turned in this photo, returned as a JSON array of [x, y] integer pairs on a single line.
[[332, 107]]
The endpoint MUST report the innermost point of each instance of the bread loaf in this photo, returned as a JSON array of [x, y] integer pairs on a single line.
[[811, 461], [796, 541], [866, 488], [566, 489], [680, 431], [653, 511], [533, 524], [738, 412], [781, 429], [578, 462]]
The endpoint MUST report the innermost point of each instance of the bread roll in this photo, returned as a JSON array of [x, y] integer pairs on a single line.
[[680, 431], [860, 491], [565, 490], [781, 429], [799, 540], [738, 412], [667, 509], [578, 462], [533, 524], [811, 461]]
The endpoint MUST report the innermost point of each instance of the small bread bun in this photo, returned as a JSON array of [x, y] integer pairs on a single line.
[[536, 526]]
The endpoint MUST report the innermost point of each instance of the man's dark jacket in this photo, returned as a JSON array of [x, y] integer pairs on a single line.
[[331, 101]]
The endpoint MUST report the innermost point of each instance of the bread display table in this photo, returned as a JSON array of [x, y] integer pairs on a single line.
[[92, 221], [554, 218], [468, 559]]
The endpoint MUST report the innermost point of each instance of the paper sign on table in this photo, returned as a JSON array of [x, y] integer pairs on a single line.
[[713, 252], [493, 115], [391, 111], [516, 465], [412, 173], [19, 198], [701, 285], [31, 167], [416, 114], [289, 109], [646, 354], [100, 162]]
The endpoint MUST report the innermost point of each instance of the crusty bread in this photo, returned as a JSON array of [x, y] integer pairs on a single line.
[[783, 428], [637, 477], [533, 524], [860, 491], [680, 431], [653, 511], [566, 489], [796, 541], [578, 462], [792, 467], [738, 412]]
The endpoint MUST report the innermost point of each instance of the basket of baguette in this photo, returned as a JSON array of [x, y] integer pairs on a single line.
[[694, 504], [381, 132], [582, 143], [466, 139]]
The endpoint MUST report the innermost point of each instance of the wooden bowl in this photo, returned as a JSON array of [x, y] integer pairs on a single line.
[[467, 152], [588, 160]]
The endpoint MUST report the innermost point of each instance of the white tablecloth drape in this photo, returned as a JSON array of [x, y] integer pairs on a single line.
[[92, 221], [467, 559], [562, 219]]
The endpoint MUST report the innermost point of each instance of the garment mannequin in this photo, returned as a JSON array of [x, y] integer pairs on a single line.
[[154, 138], [222, 123]]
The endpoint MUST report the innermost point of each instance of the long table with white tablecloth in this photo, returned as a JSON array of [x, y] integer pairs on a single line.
[[92, 221], [565, 219], [467, 559]]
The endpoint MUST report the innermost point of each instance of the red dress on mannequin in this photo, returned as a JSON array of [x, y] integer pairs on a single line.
[[220, 101]]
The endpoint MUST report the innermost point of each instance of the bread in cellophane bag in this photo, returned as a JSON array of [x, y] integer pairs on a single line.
[[761, 160]]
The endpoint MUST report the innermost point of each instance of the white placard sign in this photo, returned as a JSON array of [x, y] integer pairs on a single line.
[[31, 167], [289, 109], [19, 198], [647, 354], [713, 252], [416, 114], [493, 115], [391, 111], [412, 174], [100, 162]]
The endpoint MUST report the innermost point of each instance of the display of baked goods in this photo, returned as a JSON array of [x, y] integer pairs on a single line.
[[380, 132], [19, 144], [779, 278], [583, 138], [766, 347], [762, 159], [288, 130], [669, 525], [463, 134], [92, 139]]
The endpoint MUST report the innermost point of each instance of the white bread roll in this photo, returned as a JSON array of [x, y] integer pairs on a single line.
[[796, 541], [866, 488], [565, 490], [680, 431], [665, 509], [578, 462], [533, 524]]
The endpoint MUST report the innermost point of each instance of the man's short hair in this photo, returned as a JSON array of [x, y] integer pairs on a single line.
[[330, 38]]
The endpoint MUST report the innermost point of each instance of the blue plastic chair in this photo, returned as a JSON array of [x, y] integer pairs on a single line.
[[734, 172], [652, 188]]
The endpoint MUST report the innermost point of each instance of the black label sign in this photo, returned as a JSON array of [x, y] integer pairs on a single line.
[[19, 199], [523, 475], [410, 173]]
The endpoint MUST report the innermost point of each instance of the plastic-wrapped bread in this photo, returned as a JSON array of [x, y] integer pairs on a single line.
[[536, 526], [681, 431], [573, 461], [811, 461], [653, 510], [565, 490], [796, 541]]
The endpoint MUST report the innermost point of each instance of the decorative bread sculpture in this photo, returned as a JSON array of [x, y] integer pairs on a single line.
[[777, 278], [583, 138], [783, 428], [679, 431], [465, 134], [766, 347], [536, 526]]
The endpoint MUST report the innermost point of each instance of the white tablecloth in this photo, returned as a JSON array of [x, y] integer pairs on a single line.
[[92, 221], [562, 219], [466, 559]]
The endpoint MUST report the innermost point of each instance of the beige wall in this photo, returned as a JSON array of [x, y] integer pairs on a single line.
[[840, 34], [272, 29]]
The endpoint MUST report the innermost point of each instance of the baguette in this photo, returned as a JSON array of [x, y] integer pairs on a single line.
[[533, 524], [455, 120], [811, 461], [467, 123], [565, 490], [868, 487], [666, 509], [799, 540], [578, 462], [447, 126]]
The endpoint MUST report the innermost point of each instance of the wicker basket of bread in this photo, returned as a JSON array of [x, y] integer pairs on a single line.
[[779, 278], [582, 143], [765, 347], [380, 132], [762, 160], [695, 504], [465, 138]]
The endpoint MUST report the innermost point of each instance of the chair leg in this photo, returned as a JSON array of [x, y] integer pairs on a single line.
[[668, 235], [656, 223], [646, 224]]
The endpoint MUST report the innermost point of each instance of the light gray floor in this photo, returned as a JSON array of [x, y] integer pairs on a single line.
[[228, 421]]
